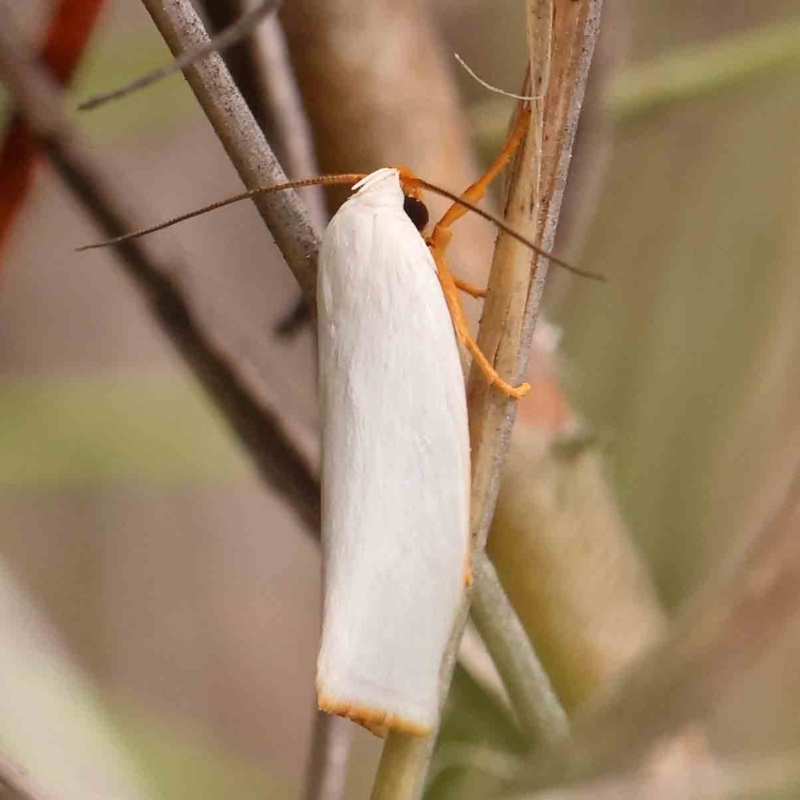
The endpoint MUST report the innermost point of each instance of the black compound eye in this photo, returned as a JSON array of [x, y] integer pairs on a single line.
[[417, 212]]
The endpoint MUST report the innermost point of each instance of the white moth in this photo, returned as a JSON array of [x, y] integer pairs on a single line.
[[395, 465]]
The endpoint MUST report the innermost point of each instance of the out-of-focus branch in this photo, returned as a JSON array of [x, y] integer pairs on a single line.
[[222, 372], [238, 29], [17, 784], [510, 313], [68, 33], [330, 752], [283, 212], [564, 554], [720, 636]]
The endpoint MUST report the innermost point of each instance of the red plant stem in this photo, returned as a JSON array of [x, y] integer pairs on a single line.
[[67, 36]]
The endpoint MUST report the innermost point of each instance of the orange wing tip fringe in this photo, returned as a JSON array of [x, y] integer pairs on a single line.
[[377, 722]]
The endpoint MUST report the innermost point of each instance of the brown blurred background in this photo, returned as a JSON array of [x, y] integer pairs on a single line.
[[184, 589]]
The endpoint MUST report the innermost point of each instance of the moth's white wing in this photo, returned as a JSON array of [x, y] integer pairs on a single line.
[[395, 496]]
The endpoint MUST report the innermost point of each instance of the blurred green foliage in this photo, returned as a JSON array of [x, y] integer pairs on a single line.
[[688, 357], [181, 763], [98, 430]]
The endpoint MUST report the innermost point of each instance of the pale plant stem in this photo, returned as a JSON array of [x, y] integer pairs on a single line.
[[536, 705]]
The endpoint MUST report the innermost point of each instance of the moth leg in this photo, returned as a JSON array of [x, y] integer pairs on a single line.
[[475, 193], [470, 289], [450, 291]]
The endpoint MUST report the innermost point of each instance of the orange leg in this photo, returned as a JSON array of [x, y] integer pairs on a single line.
[[438, 242], [468, 288], [462, 331], [476, 192]]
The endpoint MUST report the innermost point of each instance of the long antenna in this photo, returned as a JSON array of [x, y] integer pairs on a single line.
[[594, 276], [351, 178], [324, 180], [234, 33]]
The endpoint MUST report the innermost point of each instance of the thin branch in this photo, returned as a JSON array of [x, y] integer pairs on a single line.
[[230, 36], [533, 699], [509, 316], [284, 214], [330, 751], [225, 374], [262, 71], [291, 130]]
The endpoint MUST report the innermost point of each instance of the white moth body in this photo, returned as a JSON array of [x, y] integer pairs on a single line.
[[395, 465]]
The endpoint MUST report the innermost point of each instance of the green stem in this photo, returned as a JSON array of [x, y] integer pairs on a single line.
[[535, 703]]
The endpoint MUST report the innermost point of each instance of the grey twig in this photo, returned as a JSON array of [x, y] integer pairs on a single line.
[[227, 38], [533, 699], [284, 213], [265, 76], [223, 373], [330, 752]]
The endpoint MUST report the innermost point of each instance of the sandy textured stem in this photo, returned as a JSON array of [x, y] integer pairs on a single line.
[[536, 705], [262, 71], [284, 213]]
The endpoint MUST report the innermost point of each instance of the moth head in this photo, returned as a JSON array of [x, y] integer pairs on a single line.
[[413, 204]]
